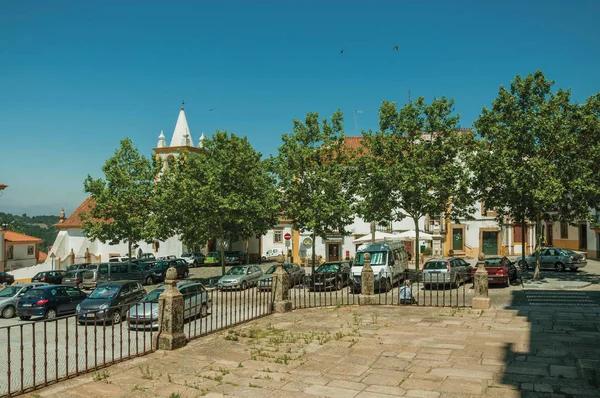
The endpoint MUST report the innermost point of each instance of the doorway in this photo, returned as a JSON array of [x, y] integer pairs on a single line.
[[457, 239], [549, 234], [583, 236], [333, 252], [490, 242]]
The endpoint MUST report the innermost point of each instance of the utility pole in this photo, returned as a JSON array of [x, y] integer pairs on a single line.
[[355, 122]]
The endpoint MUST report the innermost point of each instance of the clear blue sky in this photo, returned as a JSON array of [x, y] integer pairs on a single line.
[[78, 76]]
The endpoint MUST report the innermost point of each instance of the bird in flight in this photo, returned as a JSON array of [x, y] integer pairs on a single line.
[[341, 52], [211, 109], [395, 48]]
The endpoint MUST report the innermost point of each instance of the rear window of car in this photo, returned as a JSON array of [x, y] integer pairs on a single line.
[[493, 262], [71, 274], [35, 294], [436, 265]]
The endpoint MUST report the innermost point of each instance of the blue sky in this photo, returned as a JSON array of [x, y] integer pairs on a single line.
[[78, 76]]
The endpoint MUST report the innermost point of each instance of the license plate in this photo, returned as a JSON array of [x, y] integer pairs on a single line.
[[26, 305], [89, 315], [490, 279]]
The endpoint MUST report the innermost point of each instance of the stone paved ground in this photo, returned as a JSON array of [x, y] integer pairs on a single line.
[[373, 352]]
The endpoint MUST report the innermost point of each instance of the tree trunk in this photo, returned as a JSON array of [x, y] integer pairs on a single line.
[[129, 244], [373, 229], [416, 220], [247, 254], [538, 246], [314, 254]]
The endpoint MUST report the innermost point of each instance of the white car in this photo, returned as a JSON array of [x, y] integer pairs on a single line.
[[272, 254]]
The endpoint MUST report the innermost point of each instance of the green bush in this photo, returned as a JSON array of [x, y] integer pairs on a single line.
[[427, 251]]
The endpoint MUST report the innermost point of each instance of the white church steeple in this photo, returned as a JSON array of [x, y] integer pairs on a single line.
[[201, 141], [182, 135], [161, 140]]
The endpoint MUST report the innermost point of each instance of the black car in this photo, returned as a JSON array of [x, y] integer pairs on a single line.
[[49, 302], [146, 265], [76, 267], [235, 258], [330, 275], [295, 272], [6, 278], [180, 265], [110, 302], [155, 274], [50, 277]]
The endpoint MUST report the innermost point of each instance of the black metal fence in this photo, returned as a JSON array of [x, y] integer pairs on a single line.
[[408, 288], [39, 353], [222, 308]]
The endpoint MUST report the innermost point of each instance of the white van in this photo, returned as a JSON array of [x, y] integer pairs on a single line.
[[272, 254], [389, 261]]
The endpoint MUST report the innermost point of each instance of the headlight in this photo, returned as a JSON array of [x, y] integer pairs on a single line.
[[78, 308], [103, 306]]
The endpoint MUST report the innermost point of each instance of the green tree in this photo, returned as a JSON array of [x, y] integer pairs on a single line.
[[123, 201], [314, 176], [413, 165], [224, 192], [535, 159]]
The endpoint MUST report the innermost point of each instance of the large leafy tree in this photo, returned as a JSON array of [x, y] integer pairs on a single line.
[[225, 192], [413, 165], [538, 154], [314, 177], [123, 201]]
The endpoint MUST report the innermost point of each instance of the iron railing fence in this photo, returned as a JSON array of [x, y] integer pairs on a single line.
[[39, 353], [219, 309], [407, 288]]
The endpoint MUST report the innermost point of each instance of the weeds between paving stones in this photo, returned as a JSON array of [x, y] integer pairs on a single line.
[[175, 395], [139, 388], [101, 375], [146, 372]]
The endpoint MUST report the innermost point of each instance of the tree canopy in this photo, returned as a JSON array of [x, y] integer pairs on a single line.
[[314, 177], [225, 192], [538, 154], [123, 201]]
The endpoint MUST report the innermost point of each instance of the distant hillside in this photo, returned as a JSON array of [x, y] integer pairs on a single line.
[[39, 226]]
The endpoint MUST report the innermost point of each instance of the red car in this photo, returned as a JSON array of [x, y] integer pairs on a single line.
[[499, 270]]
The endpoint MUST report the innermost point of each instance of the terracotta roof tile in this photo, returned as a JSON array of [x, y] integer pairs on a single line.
[[42, 257], [16, 237], [74, 220]]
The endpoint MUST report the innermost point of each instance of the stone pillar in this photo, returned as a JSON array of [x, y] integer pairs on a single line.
[[481, 301], [367, 289], [170, 334], [281, 286]]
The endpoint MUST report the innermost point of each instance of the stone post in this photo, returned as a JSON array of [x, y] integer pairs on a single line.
[[281, 285], [367, 288], [481, 301], [170, 334]]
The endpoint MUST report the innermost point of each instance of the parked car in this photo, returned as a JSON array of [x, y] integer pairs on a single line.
[[110, 302], [144, 257], [295, 272], [49, 277], [500, 270], [193, 259], [330, 275], [49, 302], [235, 257], [94, 275], [389, 261], [7, 278], [446, 271], [75, 267], [168, 257], [110, 272], [556, 258], [145, 314], [74, 278], [146, 265], [273, 254], [212, 258], [11, 294], [122, 259], [183, 270], [240, 276]]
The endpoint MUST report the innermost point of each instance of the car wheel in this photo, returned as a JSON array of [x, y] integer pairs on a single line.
[[80, 286], [186, 273], [338, 284], [388, 285], [116, 317], [456, 283], [50, 314], [523, 265], [204, 311], [507, 283], [195, 264], [560, 267], [148, 281], [24, 317], [8, 312], [244, 285]]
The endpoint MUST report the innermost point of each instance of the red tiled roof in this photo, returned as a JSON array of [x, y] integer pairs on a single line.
[[353, 142], [42, 257], [74, 220], [16, 237]]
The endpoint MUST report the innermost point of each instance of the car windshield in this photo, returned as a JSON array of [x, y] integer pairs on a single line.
[[152, 297], [9, 291], [236, 271], [377, 258], [566, 252], [71, 274], [212, 254], [39, 275], [493, 262], [35, 294], [327, 268], [436, 265], [104, 292]]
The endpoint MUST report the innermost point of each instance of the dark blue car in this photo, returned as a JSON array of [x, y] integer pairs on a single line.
[[49, 302]]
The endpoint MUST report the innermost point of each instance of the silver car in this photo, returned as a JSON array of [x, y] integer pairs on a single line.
[[145, 314], [10, 294], [240, 276], [451, 271], [556, 258]]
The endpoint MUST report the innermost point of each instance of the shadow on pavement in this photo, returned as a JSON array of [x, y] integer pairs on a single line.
[[570, 276], [563, 355]]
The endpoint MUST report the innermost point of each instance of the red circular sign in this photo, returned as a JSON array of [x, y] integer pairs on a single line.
[[287, 236]]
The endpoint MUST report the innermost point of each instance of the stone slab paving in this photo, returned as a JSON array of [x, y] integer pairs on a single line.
[[371, 352]]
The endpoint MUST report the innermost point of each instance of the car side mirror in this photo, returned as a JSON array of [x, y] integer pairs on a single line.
[[21, 294]]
